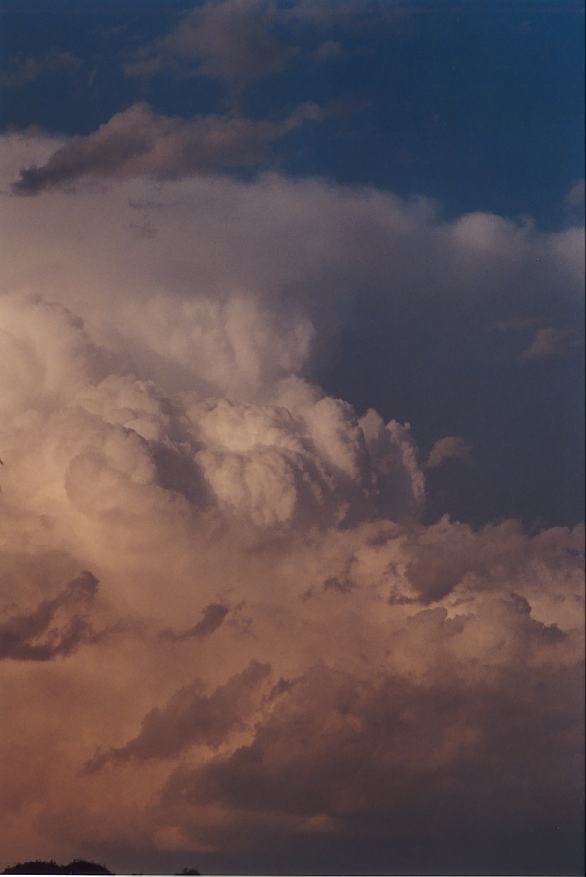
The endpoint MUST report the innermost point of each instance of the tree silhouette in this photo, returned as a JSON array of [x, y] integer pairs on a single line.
[[77, 866], [37, 866]]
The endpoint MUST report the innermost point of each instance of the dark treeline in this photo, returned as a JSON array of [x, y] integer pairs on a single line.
[[36, 866], [77, 866]]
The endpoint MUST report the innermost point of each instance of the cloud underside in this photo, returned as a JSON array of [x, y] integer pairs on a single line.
[[294, 658]]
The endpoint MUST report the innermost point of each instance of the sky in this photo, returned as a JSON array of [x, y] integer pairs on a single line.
[[291, 429]]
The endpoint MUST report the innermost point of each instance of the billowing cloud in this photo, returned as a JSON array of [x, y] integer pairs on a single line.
[[342, 673], [299, 458], [141, 142]]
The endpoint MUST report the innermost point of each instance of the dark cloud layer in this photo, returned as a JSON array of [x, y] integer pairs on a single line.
[[394, 762], [55, 628], [190, 718]]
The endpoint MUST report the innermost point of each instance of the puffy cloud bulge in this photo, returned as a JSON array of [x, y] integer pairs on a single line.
[[280, 651]]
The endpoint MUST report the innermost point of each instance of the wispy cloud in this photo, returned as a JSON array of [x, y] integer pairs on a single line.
[[232, 41], [552, 343], [31, 68], [451, 447], [575, 195], [212, 618], [141, 142], [238, 42]]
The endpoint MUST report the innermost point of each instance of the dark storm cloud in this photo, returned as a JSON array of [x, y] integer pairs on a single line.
[[140, 142], [192, 717], [56, 627]]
